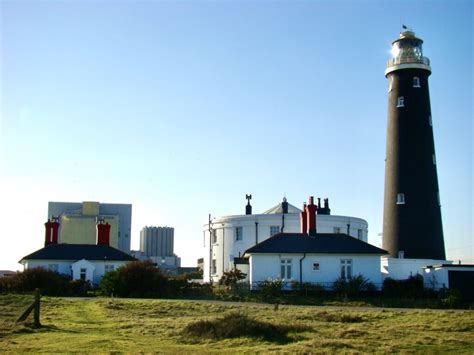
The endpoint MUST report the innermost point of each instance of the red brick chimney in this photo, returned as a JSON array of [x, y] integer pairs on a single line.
[[55, 230], [311, 209], [103, 233], [303, 220], [47, 235]]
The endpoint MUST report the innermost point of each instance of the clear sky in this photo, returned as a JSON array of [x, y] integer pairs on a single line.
[[183, 107]]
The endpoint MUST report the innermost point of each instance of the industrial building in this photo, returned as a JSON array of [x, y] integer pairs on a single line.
[[78, 220], [157, 245]]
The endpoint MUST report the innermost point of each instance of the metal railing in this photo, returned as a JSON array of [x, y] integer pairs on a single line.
[[406, 60]]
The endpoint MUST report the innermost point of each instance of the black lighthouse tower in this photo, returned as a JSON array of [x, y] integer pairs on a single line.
[[412, 226]]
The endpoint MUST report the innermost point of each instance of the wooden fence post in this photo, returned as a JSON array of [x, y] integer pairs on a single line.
[[37, 308]]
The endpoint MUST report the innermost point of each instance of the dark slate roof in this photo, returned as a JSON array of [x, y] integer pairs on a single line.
[[242, 261], [322, 243], [78, 252]]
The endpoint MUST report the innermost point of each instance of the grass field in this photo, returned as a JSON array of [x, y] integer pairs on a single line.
[[105, 325]]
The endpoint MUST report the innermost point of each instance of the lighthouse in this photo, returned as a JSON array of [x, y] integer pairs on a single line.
[[412, 226]]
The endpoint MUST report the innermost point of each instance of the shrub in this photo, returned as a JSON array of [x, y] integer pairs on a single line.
[[411, 287], [352, 286], [271, 289], [49, 282], [135, 279], [77, 288], [450, 298], [231, 277]]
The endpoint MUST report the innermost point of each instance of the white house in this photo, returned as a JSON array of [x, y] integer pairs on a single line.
[[80, 261], [226, 238], [320, 258]]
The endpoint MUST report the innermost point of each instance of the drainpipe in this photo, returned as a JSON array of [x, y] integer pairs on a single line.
[[256, 232], [301, 270]]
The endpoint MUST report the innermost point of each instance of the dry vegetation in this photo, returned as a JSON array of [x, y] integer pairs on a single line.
[[95, 325]]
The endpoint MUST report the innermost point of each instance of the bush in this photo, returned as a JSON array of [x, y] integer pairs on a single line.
[[450, 298], [230, 278], [77, 288], [271, 289], [135, 279], [411, 287], [49, 282], [352, 286]]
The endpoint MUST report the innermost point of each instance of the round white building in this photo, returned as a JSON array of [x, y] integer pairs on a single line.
[[227, 238]]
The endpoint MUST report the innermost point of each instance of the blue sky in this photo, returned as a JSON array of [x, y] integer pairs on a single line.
[[183, 107]]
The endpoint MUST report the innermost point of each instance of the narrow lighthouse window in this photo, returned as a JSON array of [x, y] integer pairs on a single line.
[[400, 199], [416, 82], [400, 101], [434, 159]]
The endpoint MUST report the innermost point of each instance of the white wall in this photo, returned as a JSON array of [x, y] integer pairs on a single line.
[[94, 273], [401, 269], [268, 266]]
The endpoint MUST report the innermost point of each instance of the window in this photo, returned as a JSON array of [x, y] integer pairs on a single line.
[[360, 234], [316, 266], [109, 268], [416, 82], [285, 272], [401, 254], [213, 236], [400, 101], [274, 230], [214, 267], [83, 274], [53, 267], [439, 200], [337, 230], [346, 269], [429, 119], [400, 199], [434, 159], [238, 233]]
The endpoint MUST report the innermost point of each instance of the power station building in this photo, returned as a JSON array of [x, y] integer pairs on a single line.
[[77, 222], [227, 238], [157, 245]]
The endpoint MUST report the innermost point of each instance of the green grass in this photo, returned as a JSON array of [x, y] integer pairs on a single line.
[[126, 325]]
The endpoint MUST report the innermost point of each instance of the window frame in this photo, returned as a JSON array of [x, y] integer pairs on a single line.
[[400, 198], [347, 266], [239, 236], [316, 266], [286, 268], [213, 236], [416, 82], [401, 101], [83, 273], [277, 228]]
